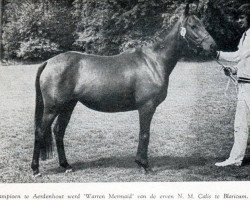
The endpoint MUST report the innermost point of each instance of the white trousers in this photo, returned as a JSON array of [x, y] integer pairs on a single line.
[[241, 123]]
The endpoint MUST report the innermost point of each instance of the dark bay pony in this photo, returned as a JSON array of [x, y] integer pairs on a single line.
[[133, 80]]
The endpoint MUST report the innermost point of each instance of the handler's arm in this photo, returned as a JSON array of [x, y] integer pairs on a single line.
[[229, 56], [245, 55], [236, 56]]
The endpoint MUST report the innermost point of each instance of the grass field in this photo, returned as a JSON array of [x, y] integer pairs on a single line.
[[191, 130]]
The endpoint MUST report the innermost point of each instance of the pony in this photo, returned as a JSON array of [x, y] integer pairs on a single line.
[[132, 80]]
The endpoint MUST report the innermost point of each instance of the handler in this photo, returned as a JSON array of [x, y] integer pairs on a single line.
[[242, 69]]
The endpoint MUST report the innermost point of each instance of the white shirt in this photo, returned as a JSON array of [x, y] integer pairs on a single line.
[[242, 56]]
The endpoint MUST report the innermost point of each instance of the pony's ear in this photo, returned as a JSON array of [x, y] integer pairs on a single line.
[[186, 12]]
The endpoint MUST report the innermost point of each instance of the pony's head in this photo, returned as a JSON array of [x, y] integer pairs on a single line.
[[194, 32]]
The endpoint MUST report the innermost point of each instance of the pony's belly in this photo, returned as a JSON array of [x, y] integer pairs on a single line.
[[108, 106], [109, 103]]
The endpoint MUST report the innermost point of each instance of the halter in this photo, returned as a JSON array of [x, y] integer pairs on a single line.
[[197, 42], [184, 35]]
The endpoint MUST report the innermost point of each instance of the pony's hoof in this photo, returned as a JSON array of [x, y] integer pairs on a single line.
[[143, 165], [68, 171], [149, 171], [37, 175], [140, 163]]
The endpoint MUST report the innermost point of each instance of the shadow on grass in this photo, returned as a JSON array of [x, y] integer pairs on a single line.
[[160, 163], [246, 162], [202, 167]]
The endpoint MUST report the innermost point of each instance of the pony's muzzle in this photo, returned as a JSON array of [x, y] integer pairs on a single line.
[[213, 47]]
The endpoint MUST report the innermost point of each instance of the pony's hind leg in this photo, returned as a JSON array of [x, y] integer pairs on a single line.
[[36, 155], [43, 140], [59, 131]]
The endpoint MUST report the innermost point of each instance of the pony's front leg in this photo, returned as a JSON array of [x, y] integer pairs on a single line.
[[146, 113]]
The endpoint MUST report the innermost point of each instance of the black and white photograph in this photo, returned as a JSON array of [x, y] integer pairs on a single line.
[[125, 91]]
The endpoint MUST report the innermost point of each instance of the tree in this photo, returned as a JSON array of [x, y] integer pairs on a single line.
[[220, 20], [111, 26], [37, 29]]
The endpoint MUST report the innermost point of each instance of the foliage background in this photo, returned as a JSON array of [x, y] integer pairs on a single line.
[[39, 29]]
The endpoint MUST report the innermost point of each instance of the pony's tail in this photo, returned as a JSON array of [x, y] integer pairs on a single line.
[[43, 139], [39, 99]]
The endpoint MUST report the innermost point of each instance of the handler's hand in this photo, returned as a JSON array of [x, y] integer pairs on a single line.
[[228, 71]]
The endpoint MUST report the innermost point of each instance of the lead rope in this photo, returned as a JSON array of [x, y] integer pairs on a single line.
[[231, 78]]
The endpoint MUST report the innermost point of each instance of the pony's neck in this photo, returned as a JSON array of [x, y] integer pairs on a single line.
[[169, 50]]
